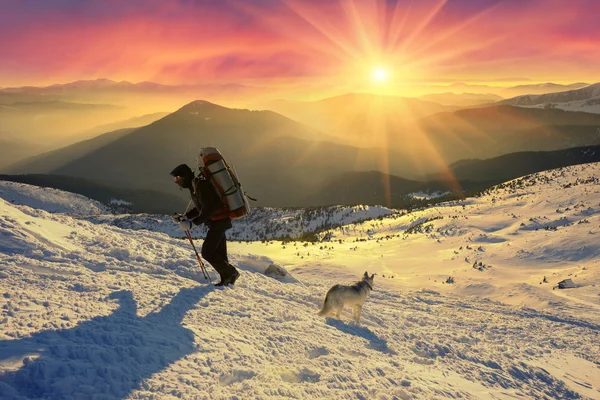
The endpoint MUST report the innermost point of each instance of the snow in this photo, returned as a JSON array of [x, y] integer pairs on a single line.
[[588, 106], [90, 309], [262, 224], [48, 199], [428, 196], [119, 202]]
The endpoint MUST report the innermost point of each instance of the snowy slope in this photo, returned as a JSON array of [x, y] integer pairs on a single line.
[[48, 199], [589, 106], [91, 310], [263, 223], [585, 99]]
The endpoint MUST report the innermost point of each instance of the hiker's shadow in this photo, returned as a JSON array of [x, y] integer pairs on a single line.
[[105, 357], [375, 342]]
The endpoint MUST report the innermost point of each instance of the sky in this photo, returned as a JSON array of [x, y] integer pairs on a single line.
[[292, 42]]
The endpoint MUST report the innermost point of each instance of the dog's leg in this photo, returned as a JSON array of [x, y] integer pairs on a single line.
[[358, 309], [338, 312]]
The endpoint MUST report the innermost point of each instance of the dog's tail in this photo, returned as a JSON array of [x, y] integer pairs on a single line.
[[326, 307]]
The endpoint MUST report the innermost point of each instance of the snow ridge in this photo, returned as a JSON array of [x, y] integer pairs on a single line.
[[262, 224], [50, 200]]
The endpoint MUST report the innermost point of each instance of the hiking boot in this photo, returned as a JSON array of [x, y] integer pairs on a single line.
[[233, 277], [224, 281]]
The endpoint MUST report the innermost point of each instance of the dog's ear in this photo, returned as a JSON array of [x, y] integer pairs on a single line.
[[366, 274], [372, 276]]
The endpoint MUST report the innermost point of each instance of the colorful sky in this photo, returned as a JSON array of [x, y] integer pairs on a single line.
[[292, 42]]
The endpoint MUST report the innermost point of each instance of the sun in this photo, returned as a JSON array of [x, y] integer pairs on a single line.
[[379, 74]]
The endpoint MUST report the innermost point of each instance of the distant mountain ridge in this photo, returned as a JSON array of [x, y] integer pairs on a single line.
[[104, 84], [548, 87], [585, 93], [350, 187], [274, 156], [462, 99], [50, 121], [492, 131], [514, 165], [359, 119], [110, 85], [140, 201], [134, 122]]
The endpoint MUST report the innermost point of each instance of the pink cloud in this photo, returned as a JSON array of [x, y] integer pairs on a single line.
[[187, 40]]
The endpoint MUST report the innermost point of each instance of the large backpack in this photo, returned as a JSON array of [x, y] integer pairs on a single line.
[[214, 167]]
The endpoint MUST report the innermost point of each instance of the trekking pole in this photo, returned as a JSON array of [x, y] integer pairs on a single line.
[[202, 267]]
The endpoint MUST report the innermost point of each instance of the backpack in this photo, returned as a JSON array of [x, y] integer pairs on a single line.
[[214, 168]]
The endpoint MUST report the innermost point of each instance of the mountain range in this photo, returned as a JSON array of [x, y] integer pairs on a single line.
[[359, 119], [159, 97], [586, 99], [50, 122], [285, 163], [322, 151], [282, 159], [461, 99]]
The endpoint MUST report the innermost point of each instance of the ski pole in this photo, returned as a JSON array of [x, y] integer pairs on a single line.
[[202, 267]]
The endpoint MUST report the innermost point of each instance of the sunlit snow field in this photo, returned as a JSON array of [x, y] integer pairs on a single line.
[[93, 309]]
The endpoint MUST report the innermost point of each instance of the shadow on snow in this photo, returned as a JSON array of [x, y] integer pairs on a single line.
[[105, 357], [375, 342]]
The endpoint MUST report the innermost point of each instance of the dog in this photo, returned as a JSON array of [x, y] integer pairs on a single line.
[[354, 296]]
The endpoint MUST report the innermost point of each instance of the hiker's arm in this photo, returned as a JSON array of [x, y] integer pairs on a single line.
[[193, 213], [206, 214], [211, 205]]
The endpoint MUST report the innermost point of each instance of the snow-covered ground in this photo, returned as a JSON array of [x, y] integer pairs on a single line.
[[589, 106], [93, 310], [48, 199], [428, 196], [261, 224]]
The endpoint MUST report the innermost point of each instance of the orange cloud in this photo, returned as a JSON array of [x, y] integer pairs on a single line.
[[192, 41]]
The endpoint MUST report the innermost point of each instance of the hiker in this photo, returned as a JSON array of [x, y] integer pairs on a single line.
[[210, 210]]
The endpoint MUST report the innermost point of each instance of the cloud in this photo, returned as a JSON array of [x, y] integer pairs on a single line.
[[195, 40]]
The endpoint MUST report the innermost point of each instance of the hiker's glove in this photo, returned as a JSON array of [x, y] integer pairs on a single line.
[[177, 218], [185, 224]]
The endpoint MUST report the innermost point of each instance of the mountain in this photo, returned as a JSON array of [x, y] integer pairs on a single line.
[[461, 99], [51, 122], [108, 85], [140, 98], [278, 159], [586, 99], [497, 90], [359, 119], [514, 165], [492, 131], [55, 160], [462, 304], [41, 197], [134, 122], [111, 197], [429, 137], [542, 88], [14, 149], [284, 163], [371, 187], [378, 188]]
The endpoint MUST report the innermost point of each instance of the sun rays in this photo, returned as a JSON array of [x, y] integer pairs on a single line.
[[378, 45]]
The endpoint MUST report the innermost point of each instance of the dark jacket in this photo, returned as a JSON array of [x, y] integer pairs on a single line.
[[208, 206]]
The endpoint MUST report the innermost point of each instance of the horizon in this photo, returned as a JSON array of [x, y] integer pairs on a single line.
[[380, 47], [385, 56]]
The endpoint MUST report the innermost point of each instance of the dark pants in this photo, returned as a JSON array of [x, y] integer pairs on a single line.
[[214, 250]]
